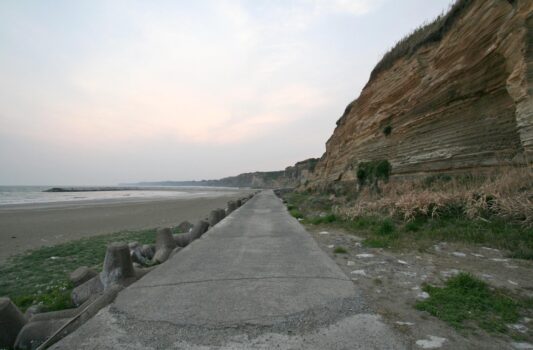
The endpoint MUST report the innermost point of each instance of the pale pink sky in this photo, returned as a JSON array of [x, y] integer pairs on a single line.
[[101, 92]]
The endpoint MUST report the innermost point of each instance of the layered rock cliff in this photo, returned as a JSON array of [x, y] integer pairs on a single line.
[[290, 177], [456, 95]]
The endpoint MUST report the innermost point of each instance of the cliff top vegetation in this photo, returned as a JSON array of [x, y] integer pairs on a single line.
[[427, 33]]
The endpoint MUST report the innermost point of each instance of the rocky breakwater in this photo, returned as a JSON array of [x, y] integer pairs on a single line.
[[90, 189], [455, 95], [123, 264]]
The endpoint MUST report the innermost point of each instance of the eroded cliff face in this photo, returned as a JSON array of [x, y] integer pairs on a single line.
[[292, 176], [462, 102]]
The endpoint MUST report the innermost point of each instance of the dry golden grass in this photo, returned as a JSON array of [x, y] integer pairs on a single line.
[[507, 193]]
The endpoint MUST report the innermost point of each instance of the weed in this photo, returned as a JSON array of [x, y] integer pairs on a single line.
[[522, 252], [386, 227], [296, 213], [340, 250], [362, 222], [466, 298], [377, 242], [317, 220], [412, 226]]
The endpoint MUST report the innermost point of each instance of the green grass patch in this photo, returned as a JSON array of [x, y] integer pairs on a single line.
[[296, 213], [340, 250], [385, 228], [361, 223], [317, 220], [380, 242], [296, 199], [423, 233], [496, 233], [412, 226], [522, 252], [466, 300], [307, 202], [41, 275]]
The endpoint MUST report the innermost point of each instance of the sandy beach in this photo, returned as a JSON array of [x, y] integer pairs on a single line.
[[24, 227]]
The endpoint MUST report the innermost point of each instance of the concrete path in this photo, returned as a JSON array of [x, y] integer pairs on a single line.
[[257, 280]]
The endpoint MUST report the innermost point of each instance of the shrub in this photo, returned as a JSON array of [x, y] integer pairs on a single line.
[[373, 171], [383, 169], [362, 174], [387, 130], [311, 163]]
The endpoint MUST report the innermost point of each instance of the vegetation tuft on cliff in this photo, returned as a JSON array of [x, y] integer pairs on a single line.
[[427, 33]]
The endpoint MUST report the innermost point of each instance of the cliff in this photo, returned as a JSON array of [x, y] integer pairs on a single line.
[[290, 177], [455, 95]]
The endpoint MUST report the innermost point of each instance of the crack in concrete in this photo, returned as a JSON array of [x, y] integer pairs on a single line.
[[240, 279]]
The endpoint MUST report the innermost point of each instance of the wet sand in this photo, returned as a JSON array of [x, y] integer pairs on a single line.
[[24, 227]]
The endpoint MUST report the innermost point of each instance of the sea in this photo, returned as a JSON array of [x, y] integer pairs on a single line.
[[13, 195]]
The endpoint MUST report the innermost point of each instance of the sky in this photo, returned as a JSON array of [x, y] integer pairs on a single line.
[[100, 92]]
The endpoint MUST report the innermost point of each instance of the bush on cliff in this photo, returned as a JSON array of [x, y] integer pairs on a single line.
[[373, 171]]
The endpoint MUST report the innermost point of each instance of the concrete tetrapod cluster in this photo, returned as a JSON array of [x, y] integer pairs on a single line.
[[92, 292], [123, 265]]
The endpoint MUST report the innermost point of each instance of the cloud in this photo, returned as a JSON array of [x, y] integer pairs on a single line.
[[191, 117], [175, 78], [172, 76]]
